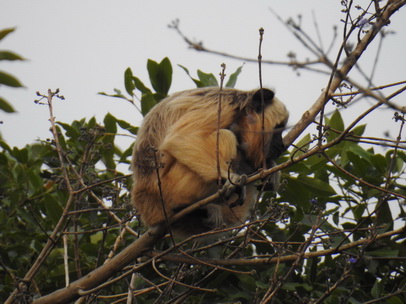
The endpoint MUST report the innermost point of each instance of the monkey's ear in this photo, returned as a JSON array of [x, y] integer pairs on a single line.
[[257, 99]]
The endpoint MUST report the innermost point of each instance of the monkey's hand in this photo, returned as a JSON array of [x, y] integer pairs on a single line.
[[235, 184], [272, 182]]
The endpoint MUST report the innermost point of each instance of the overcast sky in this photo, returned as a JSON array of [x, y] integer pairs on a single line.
[[83, 47]]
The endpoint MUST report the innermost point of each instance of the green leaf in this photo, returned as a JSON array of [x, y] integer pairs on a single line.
[[165, 76], [35, 180], [126, 154], [160, 75], [158, 97], [4, 145], [379, 162], [376, 290], [147, 103], [9, 80], [53, 208], [335, 122], [198, 83], [303, 146], [358, 211], [70, 130], [96, 238], [296, 286], [357, 149], [402, 155], [316, 164], [3, 161], [152, 67], [111, 95], [395, 300], [6, 55], [295, 191], [316, 186], [140, 86], [108, 151], [359, 130], [384, 216], [21, 154], [128, 81], [398, 162], [249, 282], [92, 123], [126, 126], [207, 79], [360, 166], [233, 78], [5, 106], [386, 253], [5, 32], [117, 95], [110, 123]]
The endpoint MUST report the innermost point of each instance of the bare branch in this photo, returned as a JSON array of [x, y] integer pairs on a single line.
[[342, 73]]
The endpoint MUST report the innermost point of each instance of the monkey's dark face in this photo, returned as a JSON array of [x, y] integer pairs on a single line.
[[276, 147], [259, 129]]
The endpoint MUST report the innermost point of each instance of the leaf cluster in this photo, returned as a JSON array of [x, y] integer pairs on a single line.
[[33, 194], [160, 77], [5, 78]]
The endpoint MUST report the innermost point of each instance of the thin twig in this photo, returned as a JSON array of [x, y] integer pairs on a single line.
[[219, 108], [261, 36], [161, 195], [46, 250], [65, 258]]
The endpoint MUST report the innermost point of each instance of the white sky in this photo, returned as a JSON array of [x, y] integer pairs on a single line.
[[83, 47]]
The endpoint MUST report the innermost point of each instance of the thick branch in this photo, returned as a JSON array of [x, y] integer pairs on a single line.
[[103, 273]]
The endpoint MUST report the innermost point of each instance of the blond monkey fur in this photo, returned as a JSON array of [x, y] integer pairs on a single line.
[[177, 140]]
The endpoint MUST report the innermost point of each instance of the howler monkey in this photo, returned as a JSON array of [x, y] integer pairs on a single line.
[[175, 162]]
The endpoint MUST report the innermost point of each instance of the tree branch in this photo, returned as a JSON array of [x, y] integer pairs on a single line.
[[342, 72]]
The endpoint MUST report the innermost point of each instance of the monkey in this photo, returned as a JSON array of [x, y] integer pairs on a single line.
[[175, 162]]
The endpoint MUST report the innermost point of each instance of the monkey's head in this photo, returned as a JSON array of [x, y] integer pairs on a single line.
[[260, 125]]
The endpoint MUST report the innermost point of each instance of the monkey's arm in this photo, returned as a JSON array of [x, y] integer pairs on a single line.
[[196, 149]]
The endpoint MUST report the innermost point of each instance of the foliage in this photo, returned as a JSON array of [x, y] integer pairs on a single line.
[[160, 76], [334, 233], [320, 207], [209, 80], [5, 78], [34, 193]]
